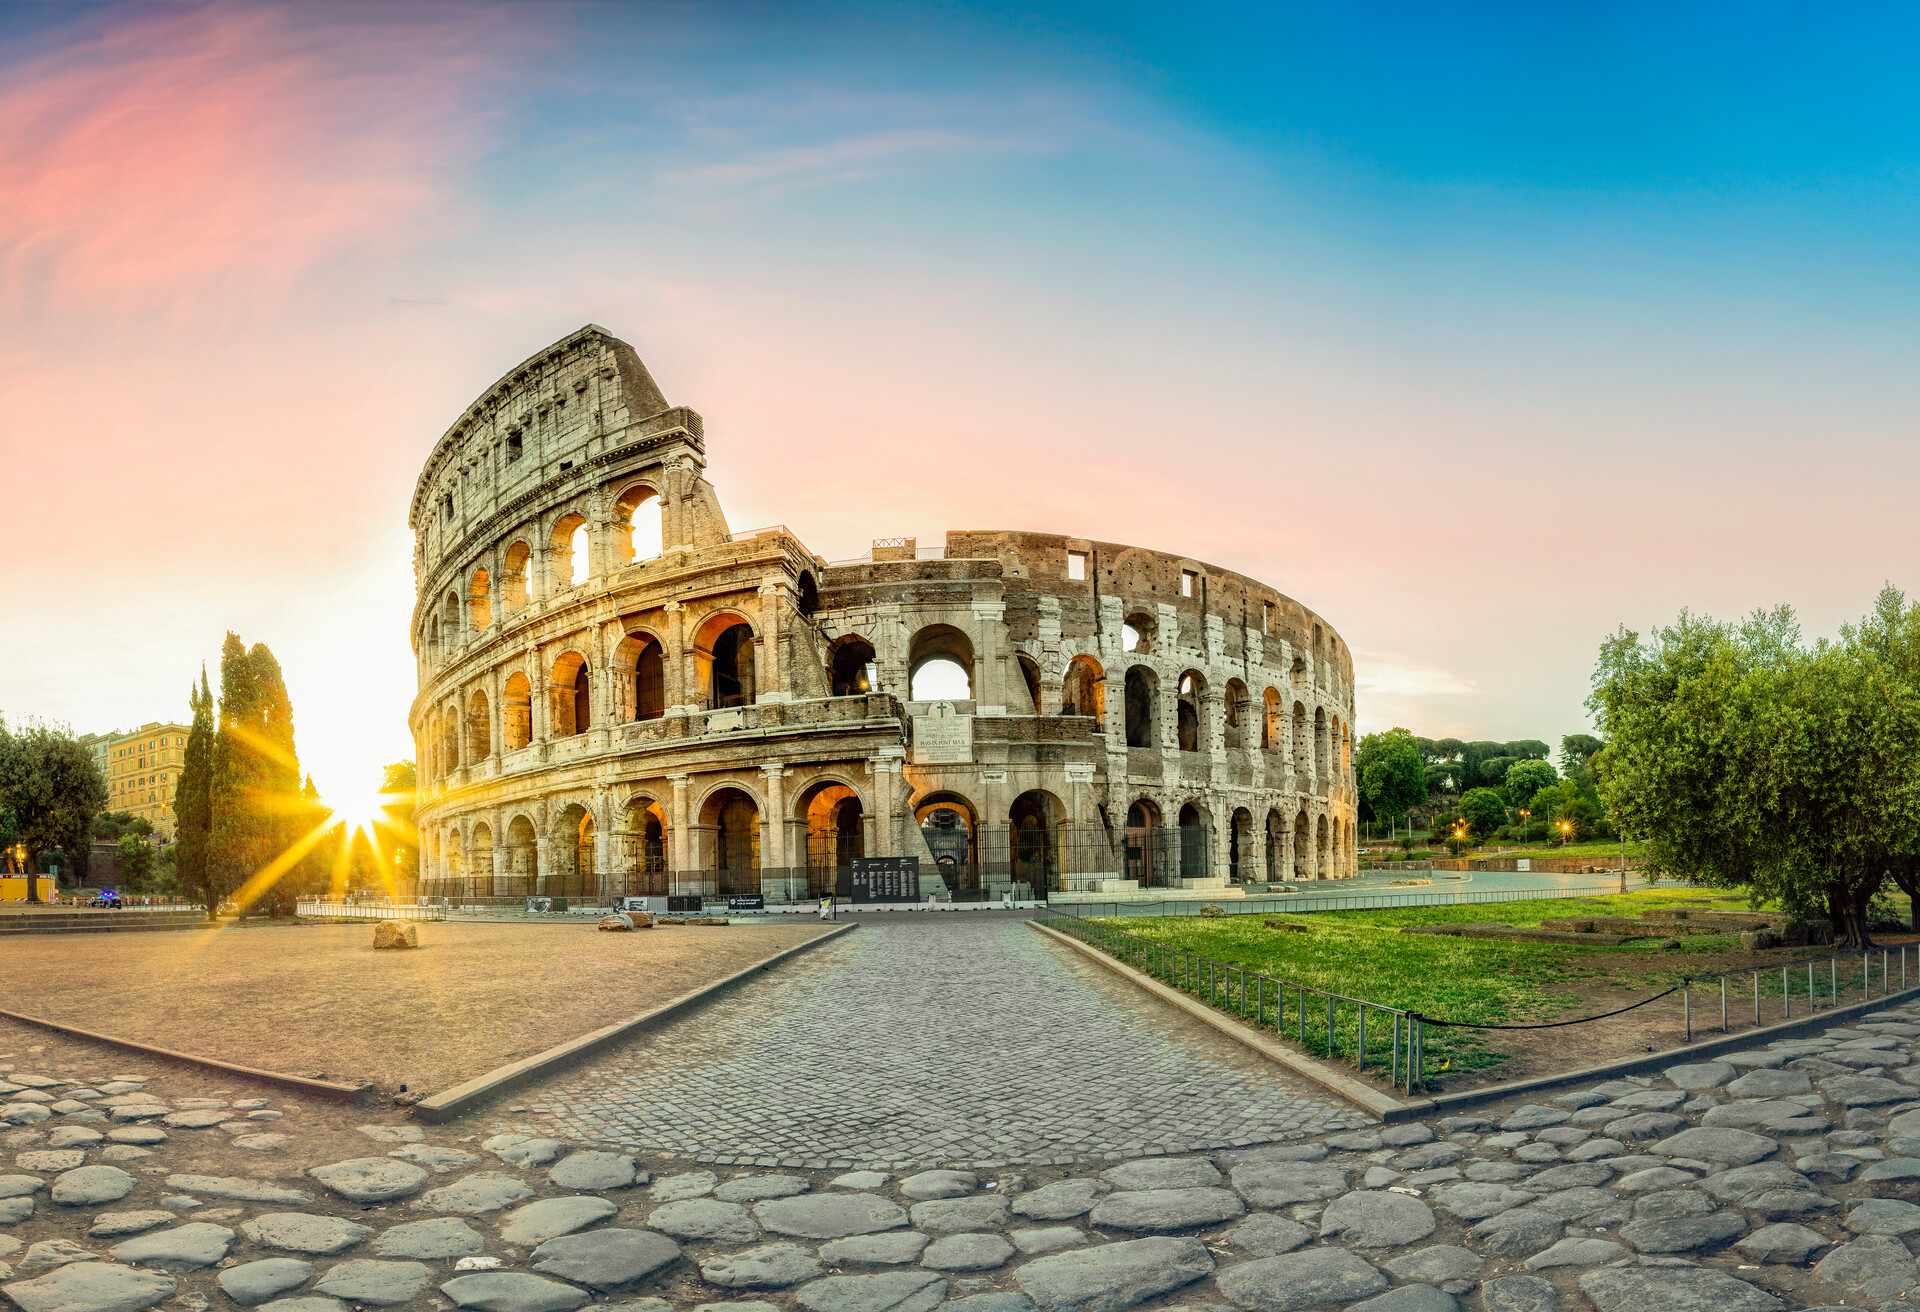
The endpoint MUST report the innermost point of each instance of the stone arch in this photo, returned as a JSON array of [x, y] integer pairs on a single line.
[[1322, 754], [1297, 673], [806, 593], [1191, 727], [1143, 860], [1037, 840], [1196, 841], [1030, 682], [1237, 711], [479, 599], [1084, 691], [456, 856], [568, 551], [516, 712], [523, 857], [1137, 632], [453, 614], [479, 727], [1302, 846], [570, 685], [723, 659], [729, 838], [572, 873], [480, 861], [852, 666], [1240, 845], [516, 575], [1273, 725], [1322, 851], [1302, 749], [639, 524], [640, 676], [834, 815], [645, 846], [1276, 844], [940, 665], [950, 827], [1143, 720]]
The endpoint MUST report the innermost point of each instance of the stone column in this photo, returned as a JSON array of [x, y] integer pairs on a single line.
[[679, 835], [676, 661], [773, 834], [769, 678], [990, 658]]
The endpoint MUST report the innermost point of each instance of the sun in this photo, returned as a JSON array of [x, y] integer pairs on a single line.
[[352, 808]]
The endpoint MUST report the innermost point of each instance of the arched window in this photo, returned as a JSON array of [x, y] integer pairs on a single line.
[[516, 712], [523, 857], [853, 670], [1141, 729], [1272, 722], [723, 660], [1193, 690], [479, 601], [1237, 710], [516, 576], [479, 727], [1322, 752], [1085, 691], [570, 549], [940, 665], [643, 843], [649, 683], [638, 525], [806, 593], [572, 709]]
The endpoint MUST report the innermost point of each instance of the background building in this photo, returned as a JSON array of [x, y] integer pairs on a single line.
[[143, 769]]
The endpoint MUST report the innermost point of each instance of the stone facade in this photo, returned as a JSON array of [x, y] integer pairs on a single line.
[[619, 694]]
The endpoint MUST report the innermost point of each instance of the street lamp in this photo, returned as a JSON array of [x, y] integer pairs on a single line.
[[1566, 831]]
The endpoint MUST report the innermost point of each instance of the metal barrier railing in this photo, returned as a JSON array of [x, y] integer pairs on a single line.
[[320, 908], [1395, 1040], [1262, 999]]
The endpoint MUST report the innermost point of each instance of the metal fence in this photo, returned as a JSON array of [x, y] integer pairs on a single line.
[[320, 908], [1268, 904], [1326, 1024], [1393, 1041]]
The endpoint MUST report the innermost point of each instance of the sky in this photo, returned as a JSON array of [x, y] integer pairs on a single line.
[[1480, 330]]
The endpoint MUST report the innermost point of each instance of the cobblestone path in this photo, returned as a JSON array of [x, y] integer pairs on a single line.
[[971, 1042]]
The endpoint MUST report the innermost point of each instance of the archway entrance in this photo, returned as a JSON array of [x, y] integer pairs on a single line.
[[1037, 820], [836, 834], [643, 843], [1302, 847], [948, 826], [1276, 846], [1139, 844], [730, 824], [1193, 842], [1240, 846]]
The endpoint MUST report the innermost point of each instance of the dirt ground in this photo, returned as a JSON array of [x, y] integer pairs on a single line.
[[1662, 1025], [317, 1000]]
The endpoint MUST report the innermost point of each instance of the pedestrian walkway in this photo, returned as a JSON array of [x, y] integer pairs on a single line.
[[965, 1040]]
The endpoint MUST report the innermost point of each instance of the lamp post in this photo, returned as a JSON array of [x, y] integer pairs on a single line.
[[1566, 832]]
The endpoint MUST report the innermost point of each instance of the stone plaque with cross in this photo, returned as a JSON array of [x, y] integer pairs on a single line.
[[942, 736]]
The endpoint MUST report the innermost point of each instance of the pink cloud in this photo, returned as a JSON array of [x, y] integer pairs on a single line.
[[153, 154]]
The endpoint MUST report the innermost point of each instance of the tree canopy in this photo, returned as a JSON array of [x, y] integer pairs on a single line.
[[1484, 811], [1524, 779], [1391, 773], [1750, 758], [50, 792]]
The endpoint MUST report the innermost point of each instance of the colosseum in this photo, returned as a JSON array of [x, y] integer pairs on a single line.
[[621, 696]]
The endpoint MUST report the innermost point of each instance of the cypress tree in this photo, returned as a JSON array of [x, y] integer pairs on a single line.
[[192, 798]]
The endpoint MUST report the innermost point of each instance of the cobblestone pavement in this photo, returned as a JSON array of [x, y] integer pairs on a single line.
[[1777, 1178], [961, 1042]]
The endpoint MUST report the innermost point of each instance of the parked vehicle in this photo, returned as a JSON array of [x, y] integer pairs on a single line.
[[108, 898]]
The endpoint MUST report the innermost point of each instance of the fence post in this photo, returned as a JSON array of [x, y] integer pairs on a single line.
[[1330, 1006], [1393, 1072], [1786, 998], [1723, 1004], [1360, 1045], [1756, 997], [1686, 1006]]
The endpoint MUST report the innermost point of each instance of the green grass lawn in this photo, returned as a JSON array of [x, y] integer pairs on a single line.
[[1481, 981]]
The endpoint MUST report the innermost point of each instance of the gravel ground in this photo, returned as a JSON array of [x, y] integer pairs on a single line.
[[317, 1000]]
